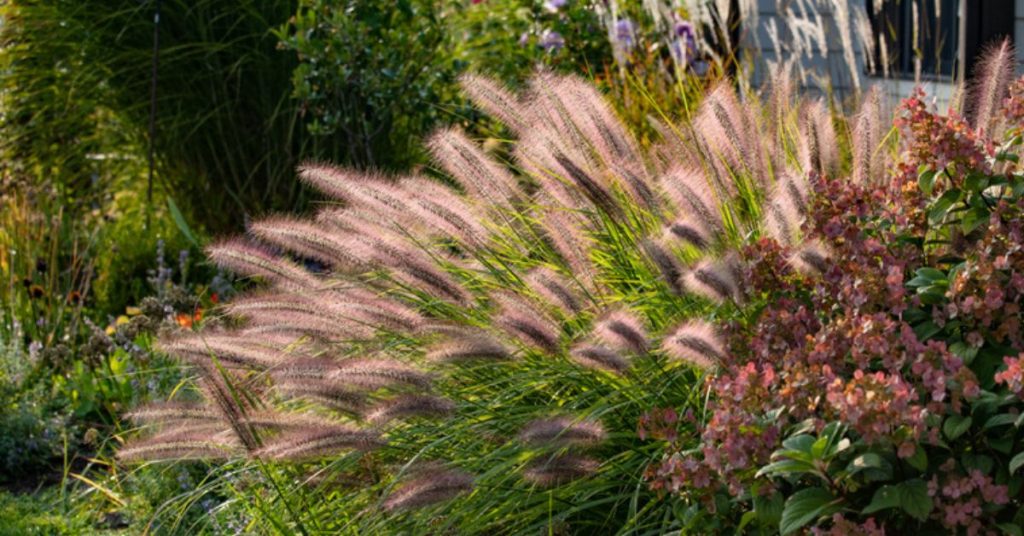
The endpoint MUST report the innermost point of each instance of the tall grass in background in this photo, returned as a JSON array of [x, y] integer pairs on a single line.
[[228, 134]]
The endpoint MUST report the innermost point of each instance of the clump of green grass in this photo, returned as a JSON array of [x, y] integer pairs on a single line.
[[487, 351]]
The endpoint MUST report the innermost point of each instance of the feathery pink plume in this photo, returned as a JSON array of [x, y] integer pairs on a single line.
[[728, 132], [467, 346], [203, 348], [782, 217], [622, 330], [689, 191], [818, 148], [431, 487], [666, 262], [868, 163], [175, 412], [305, 321], [558, 470], [688, 230], [527, 323], [441, 209], [374, 373], [991, 79], [695, 342], [563, 431], [329, 394], [495, 99], [405, 406], [375, 193], [307, 240], [275, 420], [184, 443], [636, 182], [484, 180], [599, 357], [596, 121], [318, 442], [244, 258], [810, 258], [714, 280], [554, 289], [567, 235], [590, 184]]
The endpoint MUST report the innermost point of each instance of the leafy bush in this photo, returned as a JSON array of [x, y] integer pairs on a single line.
[[372, 76], [880, 393]]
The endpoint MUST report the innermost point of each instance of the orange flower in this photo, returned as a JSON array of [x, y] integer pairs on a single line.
[[184, 320]]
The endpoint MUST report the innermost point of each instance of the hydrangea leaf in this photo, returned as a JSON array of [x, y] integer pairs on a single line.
[[805, 506]]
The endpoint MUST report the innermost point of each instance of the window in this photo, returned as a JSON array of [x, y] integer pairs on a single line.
[[914, 37]]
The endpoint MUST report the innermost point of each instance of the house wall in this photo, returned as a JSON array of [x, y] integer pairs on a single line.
[[828, 71], [1018, 35]]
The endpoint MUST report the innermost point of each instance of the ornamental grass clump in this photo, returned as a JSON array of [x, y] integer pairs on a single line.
[[482, 344]]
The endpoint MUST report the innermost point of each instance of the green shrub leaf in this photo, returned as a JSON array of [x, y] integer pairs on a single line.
[[911, 496], [919, 460], [914, 498], [1016, 462], [885, 497], [804, 507], [955, 426]]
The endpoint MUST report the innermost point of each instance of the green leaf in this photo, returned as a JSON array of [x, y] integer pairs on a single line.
[[942, 205], [955, 426], [1000, 420], [976, 182], [1001, 444], [806, 506], [785, 467], [1011, 529], [769, 509], [830, 442], [926, 330], [179, 221], [964, 351], [980, 462], [801, 443], [931, 274], [1016, 462], [915, 500], [885, 497], [974, 218], [868, 460], [926, 181], [919, 460], [911, 496], [747, 518]]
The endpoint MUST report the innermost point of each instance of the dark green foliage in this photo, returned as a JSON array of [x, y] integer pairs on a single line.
[[79, 75], [373, 76]]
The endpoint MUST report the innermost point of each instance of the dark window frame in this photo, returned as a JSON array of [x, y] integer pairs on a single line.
[[986, 22]]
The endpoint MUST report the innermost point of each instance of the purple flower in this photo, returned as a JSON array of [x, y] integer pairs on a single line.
[[684, 45], [554, 5], [524, 39], [551, 40], [624, 30], [683, 28]]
